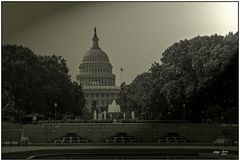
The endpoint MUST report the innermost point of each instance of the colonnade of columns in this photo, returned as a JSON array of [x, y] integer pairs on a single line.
[[97, 81], [92, 69]]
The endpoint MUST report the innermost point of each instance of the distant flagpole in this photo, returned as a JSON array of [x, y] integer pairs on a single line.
[[121, 70]]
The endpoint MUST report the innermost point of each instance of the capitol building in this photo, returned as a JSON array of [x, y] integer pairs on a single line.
[[96, 77]]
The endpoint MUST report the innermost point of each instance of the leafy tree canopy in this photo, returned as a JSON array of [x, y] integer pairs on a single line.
[[32, 84], [168, 90]]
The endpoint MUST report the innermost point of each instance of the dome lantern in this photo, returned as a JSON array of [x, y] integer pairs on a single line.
[[95, 40]]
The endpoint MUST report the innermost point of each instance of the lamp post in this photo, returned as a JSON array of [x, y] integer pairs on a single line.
[[20, 116], [184, 112], [55, 105]]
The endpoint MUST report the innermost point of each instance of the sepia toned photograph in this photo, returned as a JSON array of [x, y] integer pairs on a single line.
[[119, 80]]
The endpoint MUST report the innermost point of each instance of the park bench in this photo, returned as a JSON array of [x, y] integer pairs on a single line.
[[70, 138], [121, 138], [173, 138]]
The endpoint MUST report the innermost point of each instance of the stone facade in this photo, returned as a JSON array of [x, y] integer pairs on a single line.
[[103, 95], [96, 77]]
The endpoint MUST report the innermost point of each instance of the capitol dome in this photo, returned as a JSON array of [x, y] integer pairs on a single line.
[[95, 69], [95, 55]]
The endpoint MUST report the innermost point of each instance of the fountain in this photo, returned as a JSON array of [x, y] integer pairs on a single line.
[[114, 110]]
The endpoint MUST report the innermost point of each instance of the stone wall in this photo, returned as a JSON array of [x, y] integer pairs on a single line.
[[98, 132]]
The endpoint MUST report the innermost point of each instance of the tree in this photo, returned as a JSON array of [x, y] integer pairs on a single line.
[[32, 84], [18, 76], [174, 89]]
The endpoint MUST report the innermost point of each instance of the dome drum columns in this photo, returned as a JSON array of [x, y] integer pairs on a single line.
[[97, 81]]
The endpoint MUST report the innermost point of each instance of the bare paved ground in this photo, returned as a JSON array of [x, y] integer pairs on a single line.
[[114, 152], [122, 147]]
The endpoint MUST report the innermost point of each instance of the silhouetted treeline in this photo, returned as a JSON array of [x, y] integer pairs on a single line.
[[33, 84], [196, 81], [218, 99]]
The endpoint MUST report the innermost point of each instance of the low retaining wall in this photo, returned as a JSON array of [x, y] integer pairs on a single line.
[[98, 132]]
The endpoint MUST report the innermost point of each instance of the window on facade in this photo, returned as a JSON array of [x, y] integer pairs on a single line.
[[107, 94], [91, 94], [97, 95]]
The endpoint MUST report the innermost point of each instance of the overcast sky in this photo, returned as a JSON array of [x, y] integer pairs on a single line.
[[133, 34]]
